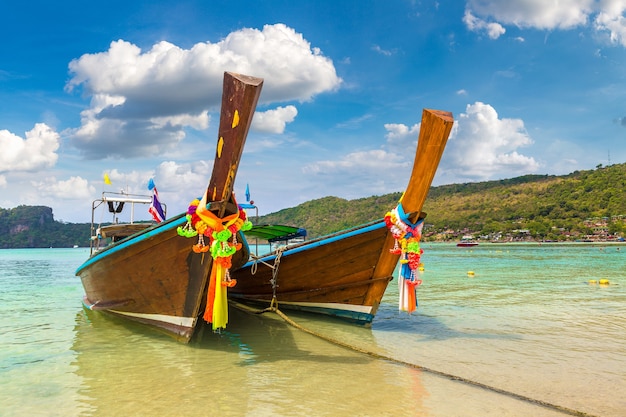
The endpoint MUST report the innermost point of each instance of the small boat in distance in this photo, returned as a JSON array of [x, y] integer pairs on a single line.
[[467, 241]]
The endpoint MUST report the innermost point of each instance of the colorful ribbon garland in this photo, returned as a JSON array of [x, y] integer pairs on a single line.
[[407, 236], [222, 235]]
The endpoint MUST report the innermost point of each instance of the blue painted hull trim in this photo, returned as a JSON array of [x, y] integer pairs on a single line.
[[134, 240]]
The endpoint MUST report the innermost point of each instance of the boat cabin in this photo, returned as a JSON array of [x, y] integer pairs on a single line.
[[122, 209]]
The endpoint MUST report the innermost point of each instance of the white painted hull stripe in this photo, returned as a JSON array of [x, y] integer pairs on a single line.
[[332, 306], [175, 320]]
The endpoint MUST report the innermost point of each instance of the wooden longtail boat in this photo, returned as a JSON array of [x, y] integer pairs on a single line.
[[344, 274], [153, 276]]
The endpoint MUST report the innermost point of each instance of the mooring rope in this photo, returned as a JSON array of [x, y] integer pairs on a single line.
[[274, 267], [273, 308]]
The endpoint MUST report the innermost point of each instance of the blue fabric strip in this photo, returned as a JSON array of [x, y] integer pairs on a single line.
[[405, 218]]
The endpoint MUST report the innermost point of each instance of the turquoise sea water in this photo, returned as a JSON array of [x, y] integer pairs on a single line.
[[527, 322]]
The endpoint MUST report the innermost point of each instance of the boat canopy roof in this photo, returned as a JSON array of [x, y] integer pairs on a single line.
[[275, 232]]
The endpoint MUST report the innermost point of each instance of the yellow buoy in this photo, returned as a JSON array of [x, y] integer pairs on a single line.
[[421, 268], [603, 281], [470, 273]]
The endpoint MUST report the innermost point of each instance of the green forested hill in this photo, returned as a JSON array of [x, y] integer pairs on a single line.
[[35, 227], [548, 206], [543, 206], [329, 214]]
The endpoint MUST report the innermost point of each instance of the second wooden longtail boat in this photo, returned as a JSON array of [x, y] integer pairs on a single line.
[[346, 274]]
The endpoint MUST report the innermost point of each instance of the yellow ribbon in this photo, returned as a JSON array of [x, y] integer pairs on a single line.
[[217, 302]]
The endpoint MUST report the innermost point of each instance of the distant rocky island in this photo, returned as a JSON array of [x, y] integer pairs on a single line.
[[35, 227]]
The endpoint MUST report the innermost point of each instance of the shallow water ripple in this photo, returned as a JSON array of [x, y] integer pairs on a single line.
[[526, 321]]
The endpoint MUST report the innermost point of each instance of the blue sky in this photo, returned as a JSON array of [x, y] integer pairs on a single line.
[[132, 89]]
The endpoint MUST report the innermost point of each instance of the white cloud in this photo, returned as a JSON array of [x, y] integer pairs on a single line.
[[170, 175], [400, 137], [179, 183], [198, 122], [398, 132], [3, 181], [377, 159], [606, 15], [375, 171], [99, 138], [362, 173], [275, 144], [34, 152], [75, 188], [483, 146], [612, 21], [142, 101], [130, 179], [274, 121], [475, 24], [378, 49], [539, 14]]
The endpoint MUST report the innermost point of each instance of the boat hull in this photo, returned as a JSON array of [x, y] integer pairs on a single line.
[[152, 277], [338, 275]]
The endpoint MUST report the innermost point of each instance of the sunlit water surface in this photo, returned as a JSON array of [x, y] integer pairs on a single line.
[[527, 321]]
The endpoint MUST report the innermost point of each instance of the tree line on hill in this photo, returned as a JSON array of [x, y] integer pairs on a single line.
[[581, 205]]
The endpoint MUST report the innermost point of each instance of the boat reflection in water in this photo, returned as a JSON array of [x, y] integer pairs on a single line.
[[258, 366]]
